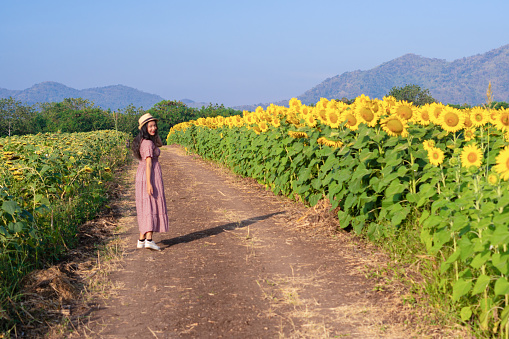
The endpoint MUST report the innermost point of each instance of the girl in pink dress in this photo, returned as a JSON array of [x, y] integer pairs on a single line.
[[150, 200]]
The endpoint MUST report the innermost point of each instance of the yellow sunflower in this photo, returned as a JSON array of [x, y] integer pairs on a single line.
[[333, 119], [435, 112], [436, 156], [493, 178], [394, 126], [423, 115], [428, 144], [297, 134], [294, 102], [471, 155], [276, 122], [404, 110], [366, 113], [502, 120], [479, 116], [451, 119], [263, 126], [502, 166], [352, 122], [469, 134], [310, 120], [321, 114]]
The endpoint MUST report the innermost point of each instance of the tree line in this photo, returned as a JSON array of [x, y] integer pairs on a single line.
[[81, 115]]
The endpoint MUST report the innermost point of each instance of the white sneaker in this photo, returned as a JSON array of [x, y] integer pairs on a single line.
[[140, 244], [152, 245]]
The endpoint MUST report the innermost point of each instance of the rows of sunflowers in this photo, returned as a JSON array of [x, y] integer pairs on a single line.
[[49, 185], [388, 164]]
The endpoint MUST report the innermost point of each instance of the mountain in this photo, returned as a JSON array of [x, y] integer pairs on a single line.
[[113, 97], [460, 81]]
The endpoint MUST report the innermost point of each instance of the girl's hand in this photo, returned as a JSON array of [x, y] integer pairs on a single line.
[[150, 190]]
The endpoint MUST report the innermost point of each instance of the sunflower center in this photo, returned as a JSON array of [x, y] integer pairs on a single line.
[[504, 119], [366, 114], [472, 157], [351, 120], [468, 123], [436, 155], [478, 117], [405, 112], [425, 116], [395, 126], [507, 163], [451, 119]]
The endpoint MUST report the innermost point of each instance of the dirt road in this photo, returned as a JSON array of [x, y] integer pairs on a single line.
[[236, 264]]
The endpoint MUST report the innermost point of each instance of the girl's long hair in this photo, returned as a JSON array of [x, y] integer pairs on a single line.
[[144, 135]]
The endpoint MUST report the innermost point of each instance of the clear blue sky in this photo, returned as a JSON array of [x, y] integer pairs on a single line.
[[232, 52]]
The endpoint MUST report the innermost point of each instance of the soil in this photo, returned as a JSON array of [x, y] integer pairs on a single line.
[[240, 262]]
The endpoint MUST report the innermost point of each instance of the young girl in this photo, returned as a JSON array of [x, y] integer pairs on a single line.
[[150, 199]]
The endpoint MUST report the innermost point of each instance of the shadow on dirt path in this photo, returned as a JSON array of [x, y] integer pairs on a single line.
[[233, 265]]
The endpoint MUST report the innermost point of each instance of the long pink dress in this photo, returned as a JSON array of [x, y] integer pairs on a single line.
[[151, 210]]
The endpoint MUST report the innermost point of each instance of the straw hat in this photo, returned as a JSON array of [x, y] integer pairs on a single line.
[[144, 119]]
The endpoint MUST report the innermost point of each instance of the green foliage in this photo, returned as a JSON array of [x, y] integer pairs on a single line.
[[171, 113], [382, 184], [413, 94], [17, 119], [49, 185]]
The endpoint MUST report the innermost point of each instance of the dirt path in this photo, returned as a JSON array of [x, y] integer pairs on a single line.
[[235, 265]]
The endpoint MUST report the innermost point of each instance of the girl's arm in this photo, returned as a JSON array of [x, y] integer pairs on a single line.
[[150, 189]]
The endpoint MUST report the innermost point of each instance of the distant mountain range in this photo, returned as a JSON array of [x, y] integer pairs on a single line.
[[113, 97], [461, 81]]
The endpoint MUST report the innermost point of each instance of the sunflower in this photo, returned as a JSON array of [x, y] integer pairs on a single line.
[[366, 113], [423, 115], [263, 126], [297, 135], [478, 116], [435, 112], [394, 126], [469, 134], [502, 120], [428, 144], [502, 166], [333, 118], [493, 178], [451, 119], [330, 143], [294, 102], [352, 122], [276, 122], [256, 129], [471, 156], [436, 156], [310, 120], [404, 110], [321, 114], [468, 119]]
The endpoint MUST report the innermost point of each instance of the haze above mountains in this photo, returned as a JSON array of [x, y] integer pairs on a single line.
[[460, 81]]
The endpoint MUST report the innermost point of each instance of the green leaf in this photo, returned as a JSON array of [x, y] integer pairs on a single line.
[[480, 259], [10, 207], [501, 262], [466, 313], [480, 284], [460, 288], [501, 286]]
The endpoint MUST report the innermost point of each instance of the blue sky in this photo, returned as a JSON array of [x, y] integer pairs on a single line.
[[232, 52]]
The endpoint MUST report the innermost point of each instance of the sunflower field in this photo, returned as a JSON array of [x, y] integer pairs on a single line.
[[49, 185], [387, 164]]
